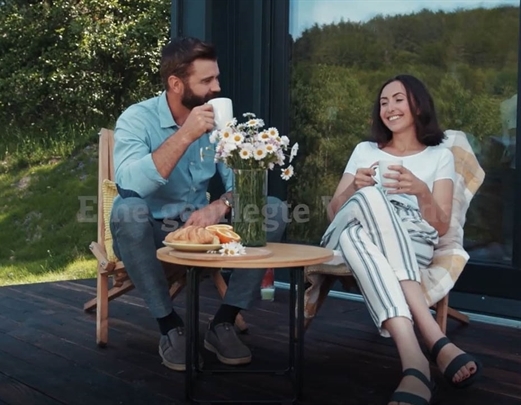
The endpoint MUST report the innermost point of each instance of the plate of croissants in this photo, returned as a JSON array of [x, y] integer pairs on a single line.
[[198, 239]]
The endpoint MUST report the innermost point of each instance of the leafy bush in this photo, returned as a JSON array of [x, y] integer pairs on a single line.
[[78, 61]]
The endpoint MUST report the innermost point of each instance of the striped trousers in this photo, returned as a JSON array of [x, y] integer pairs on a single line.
[[383, 242]]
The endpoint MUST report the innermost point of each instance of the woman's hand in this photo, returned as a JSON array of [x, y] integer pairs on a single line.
[[406, 182], [363, 178]]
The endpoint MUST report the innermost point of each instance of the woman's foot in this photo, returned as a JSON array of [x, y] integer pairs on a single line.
[[447, 354], [415, 385], [459, 368]]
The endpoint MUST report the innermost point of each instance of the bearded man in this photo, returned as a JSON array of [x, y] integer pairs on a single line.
[[163, 162]]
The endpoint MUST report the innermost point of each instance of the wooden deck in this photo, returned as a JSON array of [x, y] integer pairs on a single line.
[[48, 354]]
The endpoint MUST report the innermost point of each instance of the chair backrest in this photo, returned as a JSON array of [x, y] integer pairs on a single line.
[[107, 190], [469, 178], [105, 171]]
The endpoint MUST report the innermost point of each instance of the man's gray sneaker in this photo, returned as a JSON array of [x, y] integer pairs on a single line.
[[224, 342], [172, 349]]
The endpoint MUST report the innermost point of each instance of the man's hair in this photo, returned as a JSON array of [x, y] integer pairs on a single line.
[[177, 57], [422, 108]]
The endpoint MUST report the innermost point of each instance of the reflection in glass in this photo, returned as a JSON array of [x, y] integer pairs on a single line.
[[343, 50]]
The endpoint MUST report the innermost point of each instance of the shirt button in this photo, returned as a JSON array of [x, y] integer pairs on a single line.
[[192, 163]]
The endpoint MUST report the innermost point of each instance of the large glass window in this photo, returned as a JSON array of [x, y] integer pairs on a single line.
[[467, 54]]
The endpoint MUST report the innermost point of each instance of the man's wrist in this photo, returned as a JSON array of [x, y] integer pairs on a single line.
[[226, 199], [183, 137]]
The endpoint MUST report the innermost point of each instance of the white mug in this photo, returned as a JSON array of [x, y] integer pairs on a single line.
[[223, 111], [382, 167]]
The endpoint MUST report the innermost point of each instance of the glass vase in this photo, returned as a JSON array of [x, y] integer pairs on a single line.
[[250, 189]]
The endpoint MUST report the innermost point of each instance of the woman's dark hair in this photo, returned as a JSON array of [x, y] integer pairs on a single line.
[[422, 108], [177, 57]]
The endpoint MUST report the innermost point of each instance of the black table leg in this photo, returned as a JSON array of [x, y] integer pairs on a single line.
[[299, 358], [192, 329], [292, 324], [296, 339]]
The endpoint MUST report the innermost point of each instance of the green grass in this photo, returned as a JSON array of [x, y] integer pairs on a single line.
[[42, 183]]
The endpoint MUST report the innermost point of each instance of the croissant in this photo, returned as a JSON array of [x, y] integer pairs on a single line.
[[192, 235]]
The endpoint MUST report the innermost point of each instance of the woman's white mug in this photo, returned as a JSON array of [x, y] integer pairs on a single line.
[[223, 111], [381, 168]]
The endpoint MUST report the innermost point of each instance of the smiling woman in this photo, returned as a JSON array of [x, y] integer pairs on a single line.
[[341, 53]]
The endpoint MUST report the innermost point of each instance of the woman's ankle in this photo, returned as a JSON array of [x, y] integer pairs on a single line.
[[417, 361]]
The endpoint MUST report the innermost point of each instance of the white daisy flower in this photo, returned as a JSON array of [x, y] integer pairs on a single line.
[[237, 138], [284, 140], [280, 157], [249, 115], [287, 173], [226, 134], [270, 148], [273, 133], [260, 152], [253, 123], [231, 123], [232, 249], [263, 136], [246, 151], [293, 153], [229, 147]]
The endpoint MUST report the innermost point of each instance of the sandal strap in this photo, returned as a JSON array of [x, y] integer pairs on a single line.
[[440, 344], [419, 375], [456, 364], [408, 398]]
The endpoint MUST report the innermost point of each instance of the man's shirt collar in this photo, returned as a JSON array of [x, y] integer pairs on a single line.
[[166, 119]]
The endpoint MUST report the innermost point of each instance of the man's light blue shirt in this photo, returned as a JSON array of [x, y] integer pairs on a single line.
[[140, 130]]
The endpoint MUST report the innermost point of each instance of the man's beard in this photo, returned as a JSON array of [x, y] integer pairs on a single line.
[[190, 100]]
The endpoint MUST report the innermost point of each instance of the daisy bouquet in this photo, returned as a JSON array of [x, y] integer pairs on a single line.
[[249, 146], [250, 151]]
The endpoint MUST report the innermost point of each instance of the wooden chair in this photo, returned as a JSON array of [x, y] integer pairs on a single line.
[[450, 257], [110, 266]]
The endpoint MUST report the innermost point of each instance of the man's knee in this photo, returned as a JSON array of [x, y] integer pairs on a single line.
[[276, 218]]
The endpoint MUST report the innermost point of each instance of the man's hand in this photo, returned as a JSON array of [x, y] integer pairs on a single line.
[[407, 183], [199, 121], [363, 178], [209, 215]]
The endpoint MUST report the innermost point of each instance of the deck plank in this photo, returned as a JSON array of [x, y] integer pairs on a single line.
[[48, 353], [14, 392]]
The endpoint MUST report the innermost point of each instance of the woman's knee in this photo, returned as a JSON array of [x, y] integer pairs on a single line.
[[371, 193]]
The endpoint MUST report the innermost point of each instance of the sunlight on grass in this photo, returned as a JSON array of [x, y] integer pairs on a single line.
[[22, 147], [42, 236], [81, 268]]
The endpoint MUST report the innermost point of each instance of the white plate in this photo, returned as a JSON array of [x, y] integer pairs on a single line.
[[192, 247]]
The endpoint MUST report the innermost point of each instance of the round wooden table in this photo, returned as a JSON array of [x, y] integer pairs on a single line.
[[283, 255]]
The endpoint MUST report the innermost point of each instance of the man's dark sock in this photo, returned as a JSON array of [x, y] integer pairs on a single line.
[[225, 313], [169, 322]]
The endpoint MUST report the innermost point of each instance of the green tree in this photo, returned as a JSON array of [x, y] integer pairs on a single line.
[[330, 114], [79, 61]]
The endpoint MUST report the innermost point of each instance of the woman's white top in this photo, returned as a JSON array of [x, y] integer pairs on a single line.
[[430, 165]]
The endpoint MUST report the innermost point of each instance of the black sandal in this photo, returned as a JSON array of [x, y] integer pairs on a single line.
[[410, 398], [456, 364]]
